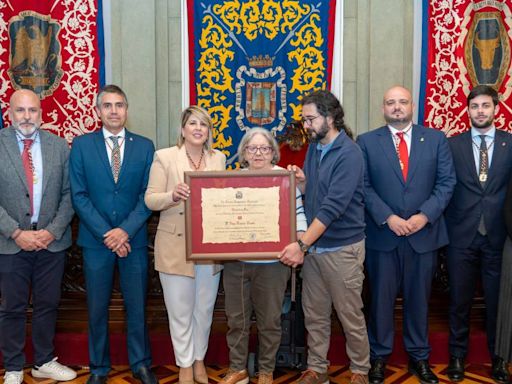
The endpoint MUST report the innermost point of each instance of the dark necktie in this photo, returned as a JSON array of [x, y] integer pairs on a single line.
[[483, 166], [403, 154], [483, 170], [115, 161], [28, 167]]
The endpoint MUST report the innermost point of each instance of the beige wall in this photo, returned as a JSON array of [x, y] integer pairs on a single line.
[[146, 61]]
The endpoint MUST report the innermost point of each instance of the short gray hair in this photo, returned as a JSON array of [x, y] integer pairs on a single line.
[[110, 88], [248, 137]]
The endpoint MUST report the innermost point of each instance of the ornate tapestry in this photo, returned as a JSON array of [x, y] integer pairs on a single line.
[[252, 61], [465, 43], [53, 48]]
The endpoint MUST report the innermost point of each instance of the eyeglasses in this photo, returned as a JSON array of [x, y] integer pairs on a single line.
[[265, 150], [308, 120]]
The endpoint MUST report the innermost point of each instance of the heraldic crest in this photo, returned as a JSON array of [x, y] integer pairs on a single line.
[[35, 57]]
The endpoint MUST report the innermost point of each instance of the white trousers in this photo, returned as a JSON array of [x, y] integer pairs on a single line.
[[190, 302]]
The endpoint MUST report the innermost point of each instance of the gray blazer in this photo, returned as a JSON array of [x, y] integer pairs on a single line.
[[56, 210]]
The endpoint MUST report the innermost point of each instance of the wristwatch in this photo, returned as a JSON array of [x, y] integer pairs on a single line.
[[303, 247]]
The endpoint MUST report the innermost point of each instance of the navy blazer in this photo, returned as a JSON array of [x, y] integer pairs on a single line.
[[470, 199], [429, 186], [103, 204]]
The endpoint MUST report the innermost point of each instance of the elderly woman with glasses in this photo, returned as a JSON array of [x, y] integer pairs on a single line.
[[189, 289], [257, 286]]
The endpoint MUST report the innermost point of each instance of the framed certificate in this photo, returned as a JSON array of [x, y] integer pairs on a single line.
[[239, 215]]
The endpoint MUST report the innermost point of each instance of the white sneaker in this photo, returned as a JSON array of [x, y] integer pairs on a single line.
[[13, 377], [53, 370]]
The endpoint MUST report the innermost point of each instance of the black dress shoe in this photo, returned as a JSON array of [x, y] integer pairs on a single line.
[[96, 379], [422, 371], [376, 373], [499, 370], [145, 375], [455, 369]]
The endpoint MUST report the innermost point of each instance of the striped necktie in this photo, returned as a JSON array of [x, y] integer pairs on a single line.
[[28, 167], [115, 161]]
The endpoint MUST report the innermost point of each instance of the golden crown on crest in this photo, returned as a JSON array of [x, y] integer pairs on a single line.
[[261, 61]]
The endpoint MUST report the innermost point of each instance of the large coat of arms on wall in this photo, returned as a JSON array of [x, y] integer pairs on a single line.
[[466, 43], [54, 49], [252, 61], [35, 53]]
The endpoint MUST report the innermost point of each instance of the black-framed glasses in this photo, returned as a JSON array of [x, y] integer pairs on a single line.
[[264, 150], [309, 120]]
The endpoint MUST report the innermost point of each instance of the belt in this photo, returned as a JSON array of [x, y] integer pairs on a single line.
[[33, 226]]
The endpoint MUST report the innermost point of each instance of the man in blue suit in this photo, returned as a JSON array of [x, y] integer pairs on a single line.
[[109, 172], [476, 226], [409, 179]]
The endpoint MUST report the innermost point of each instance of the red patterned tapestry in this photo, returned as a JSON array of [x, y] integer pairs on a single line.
[[53, 48], [465, 43]]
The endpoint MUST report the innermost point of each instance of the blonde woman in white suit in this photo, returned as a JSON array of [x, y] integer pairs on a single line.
[[189, 289]]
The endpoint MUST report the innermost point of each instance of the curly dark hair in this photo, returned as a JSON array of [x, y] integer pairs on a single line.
[[328, 105]]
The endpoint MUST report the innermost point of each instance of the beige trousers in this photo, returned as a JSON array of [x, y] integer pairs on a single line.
[[335, 278]]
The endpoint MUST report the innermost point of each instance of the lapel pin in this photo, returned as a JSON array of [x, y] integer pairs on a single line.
[[131, 138], [422, 139]]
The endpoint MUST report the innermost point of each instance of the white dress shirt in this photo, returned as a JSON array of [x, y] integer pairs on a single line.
[[37, 163], [489, 140], [407, 136], [110, 145]]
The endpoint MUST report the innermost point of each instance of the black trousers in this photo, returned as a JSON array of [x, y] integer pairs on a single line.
[[465, 266], [37, 274]]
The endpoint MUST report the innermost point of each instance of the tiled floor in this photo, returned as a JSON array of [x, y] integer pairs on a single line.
[[475, 373]]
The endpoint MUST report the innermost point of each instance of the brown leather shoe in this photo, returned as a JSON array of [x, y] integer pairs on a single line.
[[235, 377], [358, 378], [312, 377], [265, 378]]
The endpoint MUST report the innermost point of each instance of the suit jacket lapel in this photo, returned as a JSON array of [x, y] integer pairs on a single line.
[[388, 146], [498, 155], [128, 153], [468, 158], [99, 141], [15, 156], [418, 143], [47, 154]]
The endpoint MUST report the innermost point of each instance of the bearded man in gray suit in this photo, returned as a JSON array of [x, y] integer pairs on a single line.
[[35, 213]]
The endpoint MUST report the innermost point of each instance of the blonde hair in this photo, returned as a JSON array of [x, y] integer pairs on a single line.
[[248, 137], [204, 117]]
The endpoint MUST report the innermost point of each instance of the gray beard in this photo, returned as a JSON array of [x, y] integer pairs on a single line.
[[25, 132]]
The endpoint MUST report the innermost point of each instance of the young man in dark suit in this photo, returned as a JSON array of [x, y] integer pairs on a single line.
[[109, 171], [409, 179], [476, 227], [35, 212]]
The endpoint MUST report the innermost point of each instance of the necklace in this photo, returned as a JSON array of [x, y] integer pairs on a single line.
[[198, 165], [111, 146]]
